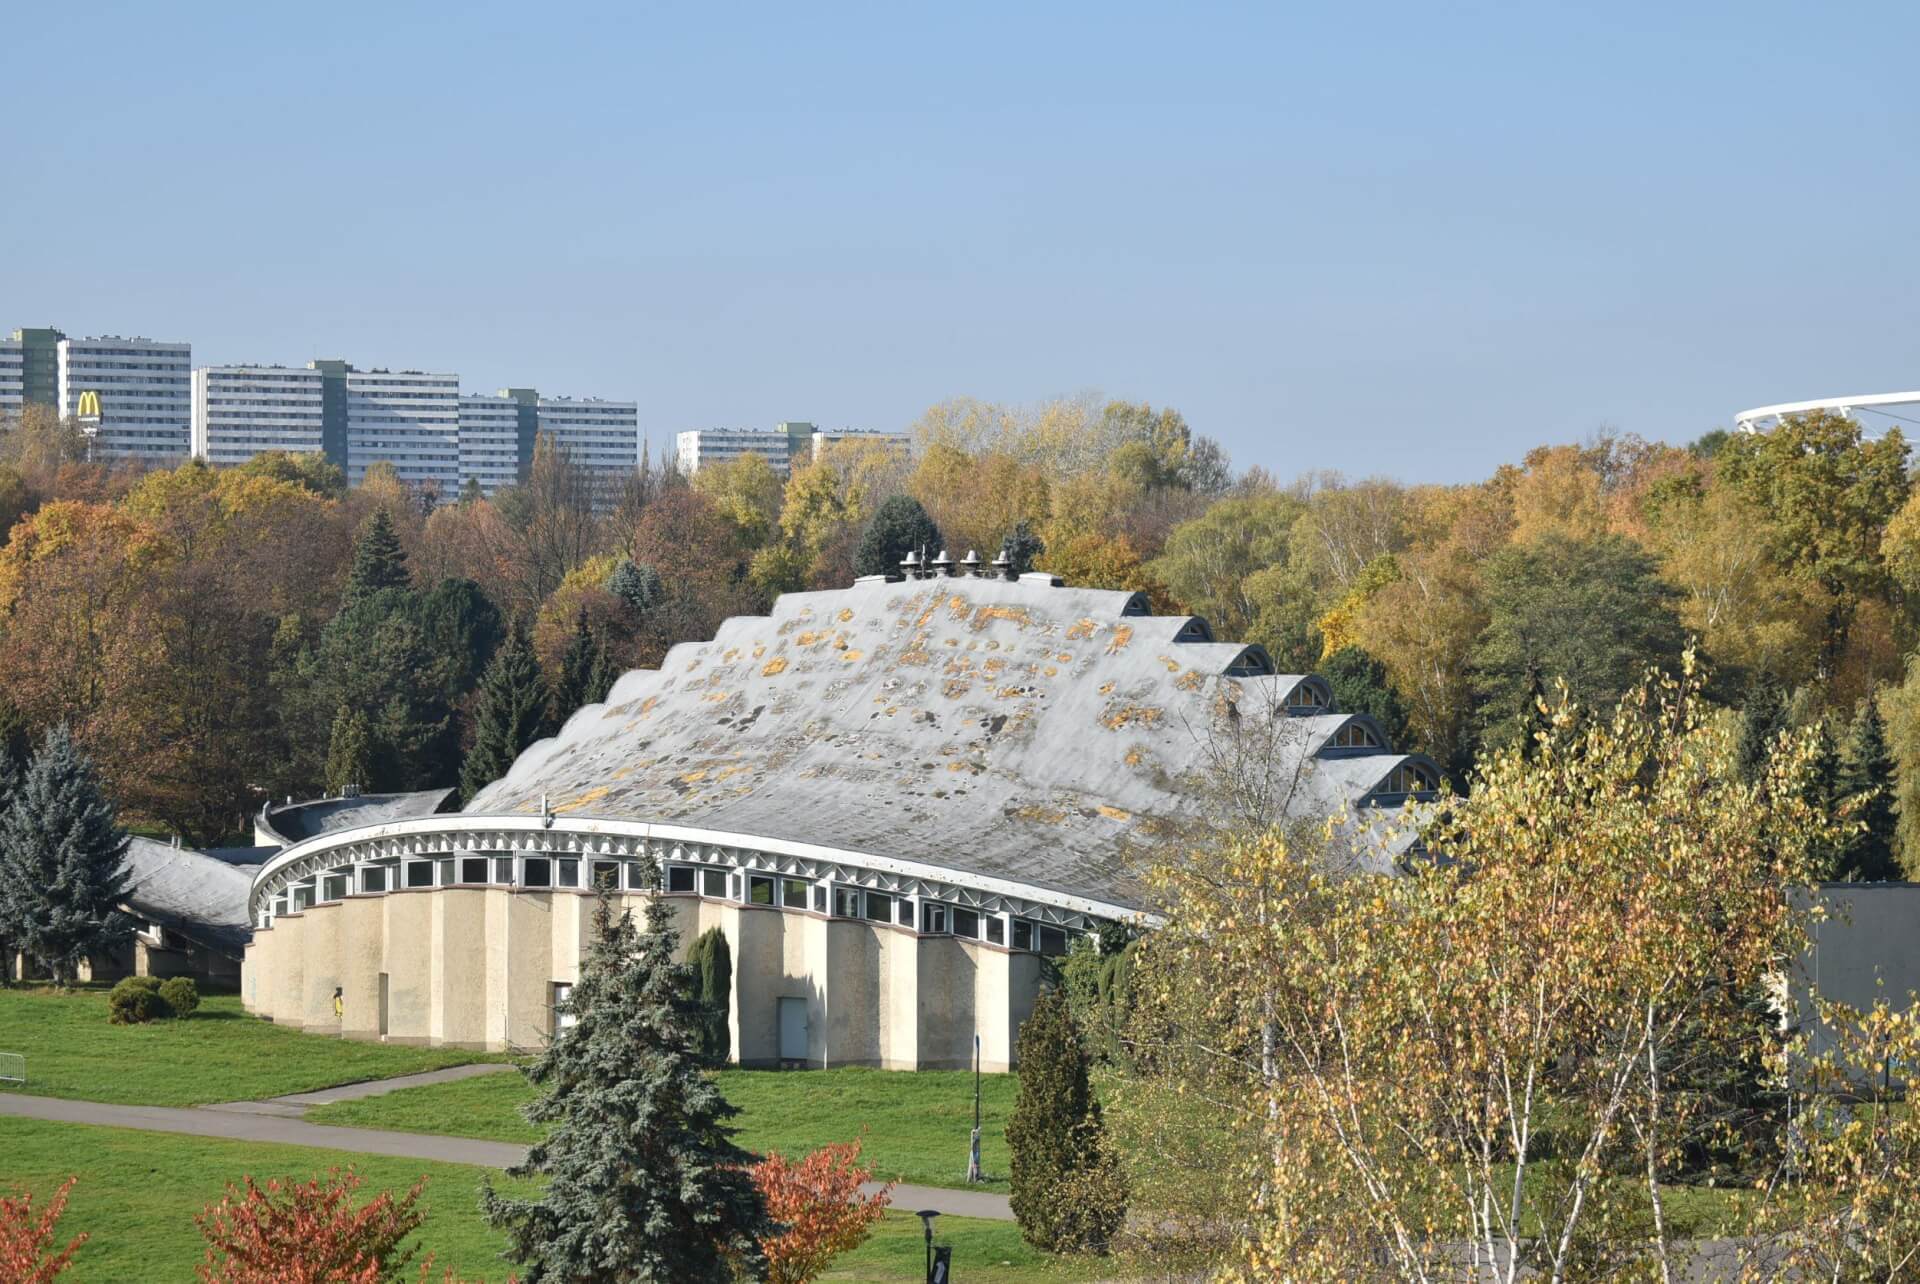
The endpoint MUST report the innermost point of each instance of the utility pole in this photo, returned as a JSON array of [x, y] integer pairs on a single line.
[[973, 1157]]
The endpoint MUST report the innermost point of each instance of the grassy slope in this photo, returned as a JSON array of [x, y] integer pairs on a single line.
[[219, 1054], [916, 1125], [138, 1193]]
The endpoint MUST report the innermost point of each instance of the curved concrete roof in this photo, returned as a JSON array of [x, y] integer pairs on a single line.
[[296, 822], [1016, 730], [200, 896]]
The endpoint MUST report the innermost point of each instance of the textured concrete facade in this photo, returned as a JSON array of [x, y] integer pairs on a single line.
[[476, 968]]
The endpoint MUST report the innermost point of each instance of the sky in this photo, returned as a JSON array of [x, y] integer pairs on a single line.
[[1401, 239]]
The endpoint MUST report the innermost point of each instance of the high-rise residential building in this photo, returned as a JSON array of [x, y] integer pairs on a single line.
[[39, 366], [789, 445], [602, 437], [12, 384], [491, 453], [407, 418], [242, 411], [144, 392]]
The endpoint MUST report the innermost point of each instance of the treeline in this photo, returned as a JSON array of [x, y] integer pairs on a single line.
[[211, 638]]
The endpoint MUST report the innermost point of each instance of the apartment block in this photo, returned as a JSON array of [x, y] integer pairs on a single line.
[[602, 437], [491, 453], [143, 390], [12, 380], [243, 411]]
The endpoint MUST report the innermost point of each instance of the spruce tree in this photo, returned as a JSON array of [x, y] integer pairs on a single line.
[[1360, 685], [585, 673], [349, 752], [899, 526], [636, 585], [643, 1179], [378, 561], [712, 961], [1763, 715], [1866, 779], [61, 853], [1022, 547], [1054, 1137], [512, 713]]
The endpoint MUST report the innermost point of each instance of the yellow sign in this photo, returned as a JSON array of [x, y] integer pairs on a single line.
[[89, 407]]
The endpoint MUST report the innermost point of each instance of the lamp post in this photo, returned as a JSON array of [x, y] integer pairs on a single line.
[[926, 1216], [973, 1153]]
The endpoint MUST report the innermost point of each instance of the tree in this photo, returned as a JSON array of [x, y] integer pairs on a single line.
[[1021, 547], [349, 752], [1763, 718], [585, 675], [512, 714], [1866, 780], [643, 1180], [711, 958], [747, 493], [61, 853], [27, 1252], [308, 1232], [378, 561], [1054, 1133], [1360, 685], [1207, 561], [1590, 613], [899, 526], [377, 656], [637, 586], [820, 1208]]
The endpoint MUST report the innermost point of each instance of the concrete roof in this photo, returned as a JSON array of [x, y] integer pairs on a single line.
[[201, 897], [295, 822], [1016, 730]]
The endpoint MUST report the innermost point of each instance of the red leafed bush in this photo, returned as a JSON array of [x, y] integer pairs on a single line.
[[818, 1204], [308, 1232], [26, 1241]]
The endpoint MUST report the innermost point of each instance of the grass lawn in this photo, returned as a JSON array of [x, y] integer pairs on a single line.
[[138, 1193], [916, 1124], [218, 1054]]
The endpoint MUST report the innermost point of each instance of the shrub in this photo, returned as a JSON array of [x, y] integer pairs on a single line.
[[712, 960], [26, 1242], [311, 1230], [180, 995], [820, 1209], [136, 1000], [1055, 1139]]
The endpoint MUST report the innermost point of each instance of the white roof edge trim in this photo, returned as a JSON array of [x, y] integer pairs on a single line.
[[649, 832], [1746, 418]]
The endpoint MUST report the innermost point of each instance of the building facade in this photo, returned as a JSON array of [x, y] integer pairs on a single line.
[[602, 437], [790, 445], [145, 395], [40, 366], [407, 418], [490, 449], [13, 392], [243, 411]]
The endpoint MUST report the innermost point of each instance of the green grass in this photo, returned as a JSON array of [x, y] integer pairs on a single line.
[[218, 1054], [138, 1193], [916, 1125]]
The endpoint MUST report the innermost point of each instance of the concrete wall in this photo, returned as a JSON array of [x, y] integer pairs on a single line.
[[474, 967], [1867, 948]]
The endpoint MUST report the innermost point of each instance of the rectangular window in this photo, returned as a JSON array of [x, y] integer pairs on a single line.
[[996, 930], [302, 897], [503, 870], [1053, 941], [562, 1021], [569, 873], [846, 902], [713, 882], [906, 912], [759, 890], [473, 869], [966, 923], [373, 878], [1022, 934], [334, 887], [419, 873], [679, 878], [606, 873], [933, 918], [538, 871], [793, 893], [819, 900], [879, 907], [446, 871], [636, 876]]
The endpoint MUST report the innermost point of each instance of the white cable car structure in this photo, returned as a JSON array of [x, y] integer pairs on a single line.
[[1761, 418]]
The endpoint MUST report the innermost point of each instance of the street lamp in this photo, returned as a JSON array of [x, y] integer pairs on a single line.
[[926, 1216], [973, 1151]]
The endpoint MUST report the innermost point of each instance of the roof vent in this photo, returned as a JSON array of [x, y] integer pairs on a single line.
[[1003, 563], [1042, 577], [970, 564], [941, 565]]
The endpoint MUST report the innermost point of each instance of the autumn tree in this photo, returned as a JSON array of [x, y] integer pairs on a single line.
[[1207, 562], [28, 1254], [820, 1208], [307, 1232], [62, 853], [643, 1181], [1360, 685], [747, 492]]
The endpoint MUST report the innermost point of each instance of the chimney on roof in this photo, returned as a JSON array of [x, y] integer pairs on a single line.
[[970, 564], [1003, 564], [942, 565]]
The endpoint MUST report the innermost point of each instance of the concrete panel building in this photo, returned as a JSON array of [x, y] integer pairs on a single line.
[[789, 445], [491, 451], [407, 418], [602, 437], [243, 411], [144, 390], [895, 799], [12, 378]]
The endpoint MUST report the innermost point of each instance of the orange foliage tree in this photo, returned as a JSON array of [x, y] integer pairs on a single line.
[[294, 1232], [818, 1204], [27, 1255]]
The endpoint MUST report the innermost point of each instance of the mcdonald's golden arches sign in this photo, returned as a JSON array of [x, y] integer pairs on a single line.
[[89, 407]]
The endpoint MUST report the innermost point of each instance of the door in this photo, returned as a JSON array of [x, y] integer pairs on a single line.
[[793, 1029]]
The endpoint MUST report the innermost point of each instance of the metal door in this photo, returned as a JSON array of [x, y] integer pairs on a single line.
[[793, 1029]]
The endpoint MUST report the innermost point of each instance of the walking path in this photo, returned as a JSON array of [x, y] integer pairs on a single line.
[[278, 1121]]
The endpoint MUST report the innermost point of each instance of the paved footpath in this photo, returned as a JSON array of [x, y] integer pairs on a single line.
[[277, 1121]]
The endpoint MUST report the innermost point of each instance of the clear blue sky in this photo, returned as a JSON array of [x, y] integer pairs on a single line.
[[1401, 238]]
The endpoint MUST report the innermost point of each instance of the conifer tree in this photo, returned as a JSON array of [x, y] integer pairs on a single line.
[[899, 526], [378, 561], [1054, 1137], [585, 674], [1763, 716], [1866, 779], [512, 713], [349, 752], [1022, 548], [637, 585], [61, 852], [712, 960], [643, 1180]]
